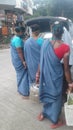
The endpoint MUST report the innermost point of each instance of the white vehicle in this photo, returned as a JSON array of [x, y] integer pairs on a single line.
[[45, 29], [46, 22]]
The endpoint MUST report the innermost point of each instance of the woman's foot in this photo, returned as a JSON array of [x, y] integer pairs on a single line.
[[40, 117], [59, 124], [25, 97]]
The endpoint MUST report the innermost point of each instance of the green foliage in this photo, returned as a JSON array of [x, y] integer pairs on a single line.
[[54, 8], [5, 40]]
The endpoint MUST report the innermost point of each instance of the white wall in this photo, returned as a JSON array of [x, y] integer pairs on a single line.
[[8, 2], [23, 5]]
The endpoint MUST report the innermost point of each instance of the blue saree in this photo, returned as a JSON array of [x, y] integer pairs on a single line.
[[21, 72], [51, 80], [32, 57]]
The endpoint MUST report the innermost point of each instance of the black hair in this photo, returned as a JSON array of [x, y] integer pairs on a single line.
[[57, 30], [22, 29], [17, 29], [35, 27]]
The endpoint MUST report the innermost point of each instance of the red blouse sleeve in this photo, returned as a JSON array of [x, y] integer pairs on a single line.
[[61, 50]]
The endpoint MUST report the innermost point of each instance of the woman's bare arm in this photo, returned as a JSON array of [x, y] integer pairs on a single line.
[[38, 74], [66, 68], [67, 71], [20, 53]]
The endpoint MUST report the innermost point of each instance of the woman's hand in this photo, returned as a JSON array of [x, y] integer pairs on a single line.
[[70, 85], [24, 63], [37, 77]]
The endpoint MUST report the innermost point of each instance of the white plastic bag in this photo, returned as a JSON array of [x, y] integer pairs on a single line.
[[34, 91], [70, 98], [68, 109]]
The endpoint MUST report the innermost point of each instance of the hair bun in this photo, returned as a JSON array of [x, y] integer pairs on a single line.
[[57, 28]]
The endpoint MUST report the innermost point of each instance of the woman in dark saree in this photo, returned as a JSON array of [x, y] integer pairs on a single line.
[[51, 76]]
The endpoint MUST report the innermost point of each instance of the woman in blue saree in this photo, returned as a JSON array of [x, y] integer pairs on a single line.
[[18, 61], [32, 49], [51, 76]]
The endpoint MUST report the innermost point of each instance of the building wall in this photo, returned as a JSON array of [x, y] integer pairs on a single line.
[[23, 5], [30, 7], [12, 12], [7, 2]]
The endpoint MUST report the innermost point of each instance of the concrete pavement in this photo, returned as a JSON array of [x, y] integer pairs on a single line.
[[15, 112]]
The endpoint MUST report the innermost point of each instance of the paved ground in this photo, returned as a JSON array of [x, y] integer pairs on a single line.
[[15, 112]]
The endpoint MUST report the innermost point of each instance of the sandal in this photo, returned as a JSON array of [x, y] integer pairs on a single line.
[[40, 117], [59, 124]]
